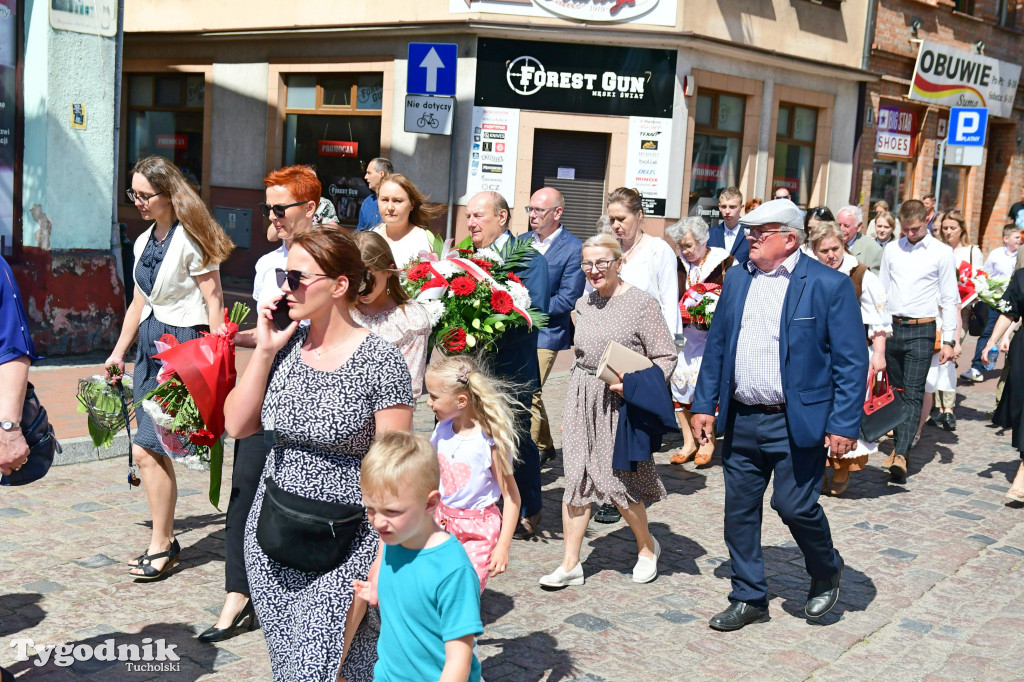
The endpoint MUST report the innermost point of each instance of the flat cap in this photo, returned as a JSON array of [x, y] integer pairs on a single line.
[[782, 211]]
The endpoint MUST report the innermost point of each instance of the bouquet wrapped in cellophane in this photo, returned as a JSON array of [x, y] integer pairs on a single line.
[[101, 400], [472, 296], [187, 408]]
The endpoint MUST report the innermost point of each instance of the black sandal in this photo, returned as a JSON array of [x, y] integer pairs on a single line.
[[608, 514], [139, 559], [150, 573]]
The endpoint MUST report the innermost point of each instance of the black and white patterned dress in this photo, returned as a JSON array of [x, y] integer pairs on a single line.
[[324, 423]]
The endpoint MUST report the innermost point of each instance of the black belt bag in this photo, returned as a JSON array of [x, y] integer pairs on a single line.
[[308, 535]]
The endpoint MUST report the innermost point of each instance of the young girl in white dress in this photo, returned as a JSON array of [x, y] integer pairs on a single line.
[[476, 444]]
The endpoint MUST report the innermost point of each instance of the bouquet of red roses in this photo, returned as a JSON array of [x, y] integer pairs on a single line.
[[698, 304], [472, 296], [976, 283], [187, 407]]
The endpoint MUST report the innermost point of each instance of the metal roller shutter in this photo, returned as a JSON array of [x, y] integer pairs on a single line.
[[587, 154]]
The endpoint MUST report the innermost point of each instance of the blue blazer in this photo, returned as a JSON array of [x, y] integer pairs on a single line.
[[566, 279], [740, 247], [645, 415], [515, 358], [822, 354]]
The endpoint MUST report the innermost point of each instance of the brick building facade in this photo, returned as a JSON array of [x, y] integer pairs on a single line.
[[985, 192]]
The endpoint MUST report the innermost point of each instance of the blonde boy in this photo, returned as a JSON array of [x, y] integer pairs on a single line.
[[426, 587]]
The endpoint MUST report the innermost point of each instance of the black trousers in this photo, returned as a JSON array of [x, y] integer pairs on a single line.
[[908, 355], [250, 458]]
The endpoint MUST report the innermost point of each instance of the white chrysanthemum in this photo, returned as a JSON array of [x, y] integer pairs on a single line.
[[520, 294], [491, 255], [434, 309], [710, 309], [195, 463], [156, 413], [447, 269]]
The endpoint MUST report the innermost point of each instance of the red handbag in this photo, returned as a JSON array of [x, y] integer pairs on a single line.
[[883, 412]]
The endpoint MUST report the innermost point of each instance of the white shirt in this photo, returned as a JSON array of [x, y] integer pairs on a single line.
[[408, 247], [730, 236], [652, 267], [1000, 262], [543, 245], [918, 277], [264, 287]]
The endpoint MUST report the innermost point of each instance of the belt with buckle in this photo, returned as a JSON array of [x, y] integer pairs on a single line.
[[761, 409], [912, 320]]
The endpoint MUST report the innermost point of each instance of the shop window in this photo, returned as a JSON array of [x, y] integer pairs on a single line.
[[332, 122], [888, 182], [951, 191], [718, 133], [795, 133], [165, 118]]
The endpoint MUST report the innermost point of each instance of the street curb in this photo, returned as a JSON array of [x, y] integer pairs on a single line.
[[80, 450]]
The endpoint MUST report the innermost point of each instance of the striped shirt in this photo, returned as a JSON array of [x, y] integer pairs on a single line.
[[757, 378]]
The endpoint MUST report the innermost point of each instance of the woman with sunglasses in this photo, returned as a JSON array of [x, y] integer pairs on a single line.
[[387, 311], [177, 292], [405, 213], [326, 390], [293, 205]]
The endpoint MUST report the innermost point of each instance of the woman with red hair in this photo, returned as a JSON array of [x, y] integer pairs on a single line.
[[293, 200]]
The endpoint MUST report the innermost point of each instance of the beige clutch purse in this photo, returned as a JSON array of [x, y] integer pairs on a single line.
[[617, 358]]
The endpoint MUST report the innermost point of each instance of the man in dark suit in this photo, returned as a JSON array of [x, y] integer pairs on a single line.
[[728, 234], [487, 216], [561, 249], [785, 362]]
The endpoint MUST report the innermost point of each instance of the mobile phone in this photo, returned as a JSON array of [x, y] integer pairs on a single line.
[[280, 315]]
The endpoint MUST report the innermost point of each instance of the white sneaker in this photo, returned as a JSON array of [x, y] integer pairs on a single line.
[[973, 375], [646, 569], [562, 579]]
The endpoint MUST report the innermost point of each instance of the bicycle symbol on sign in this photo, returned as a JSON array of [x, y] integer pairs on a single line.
[[427, 119]]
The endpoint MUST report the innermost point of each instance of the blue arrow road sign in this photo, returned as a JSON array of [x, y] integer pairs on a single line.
[[432, 68], [967, 126]]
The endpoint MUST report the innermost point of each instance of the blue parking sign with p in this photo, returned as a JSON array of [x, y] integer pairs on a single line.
[[967, 126]]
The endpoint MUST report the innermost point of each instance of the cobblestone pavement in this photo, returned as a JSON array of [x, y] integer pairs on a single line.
[[932, 586]]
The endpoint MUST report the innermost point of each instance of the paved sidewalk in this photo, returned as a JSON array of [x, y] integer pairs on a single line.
[[931, 590]]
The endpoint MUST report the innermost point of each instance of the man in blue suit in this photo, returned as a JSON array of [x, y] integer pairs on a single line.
[[487, 216], [561, 249], [785, 362], [728, 234]]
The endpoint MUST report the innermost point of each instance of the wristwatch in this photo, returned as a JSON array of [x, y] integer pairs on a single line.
[[8, 425], [949, 343]]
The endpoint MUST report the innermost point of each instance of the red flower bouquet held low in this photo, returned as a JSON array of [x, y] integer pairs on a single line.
[[697, 307], [187, 407], [472, 296]]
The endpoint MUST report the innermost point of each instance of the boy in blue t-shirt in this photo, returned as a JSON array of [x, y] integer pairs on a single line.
[[426, 587]]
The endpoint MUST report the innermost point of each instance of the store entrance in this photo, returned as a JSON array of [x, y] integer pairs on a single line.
[[574, 163], [888, 182]]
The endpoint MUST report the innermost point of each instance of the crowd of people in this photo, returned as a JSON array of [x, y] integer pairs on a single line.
[[362, 550]]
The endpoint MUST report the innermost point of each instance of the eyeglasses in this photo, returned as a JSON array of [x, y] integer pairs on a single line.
[[138, 197], [823, 213], [294, 277], [278, 209], [600, 265], [760, 235], [534, 209]]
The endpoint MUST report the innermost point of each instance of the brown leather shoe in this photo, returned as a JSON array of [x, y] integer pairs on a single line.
[[681, 458], [887, 462], [898, 468], [703, 457], [528, 526]]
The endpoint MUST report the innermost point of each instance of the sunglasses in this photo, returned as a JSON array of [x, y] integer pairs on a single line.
[[822, 213], [278, 209], [294, 277]]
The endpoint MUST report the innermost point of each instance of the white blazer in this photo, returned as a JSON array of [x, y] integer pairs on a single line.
[[176, 299]]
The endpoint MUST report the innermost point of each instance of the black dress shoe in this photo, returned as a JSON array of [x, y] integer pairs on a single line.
[[216, 634], [737, 615], [607, 514], [823, 594], [948, 421]]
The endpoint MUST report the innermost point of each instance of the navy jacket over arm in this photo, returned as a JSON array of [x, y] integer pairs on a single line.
[[740, 247], [566, 280], [822, 355], [645, 416], [516, 355]]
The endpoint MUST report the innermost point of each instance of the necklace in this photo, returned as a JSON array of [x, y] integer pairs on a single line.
[[161, 242], [700, 266], [627, 254], [319, 351]]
